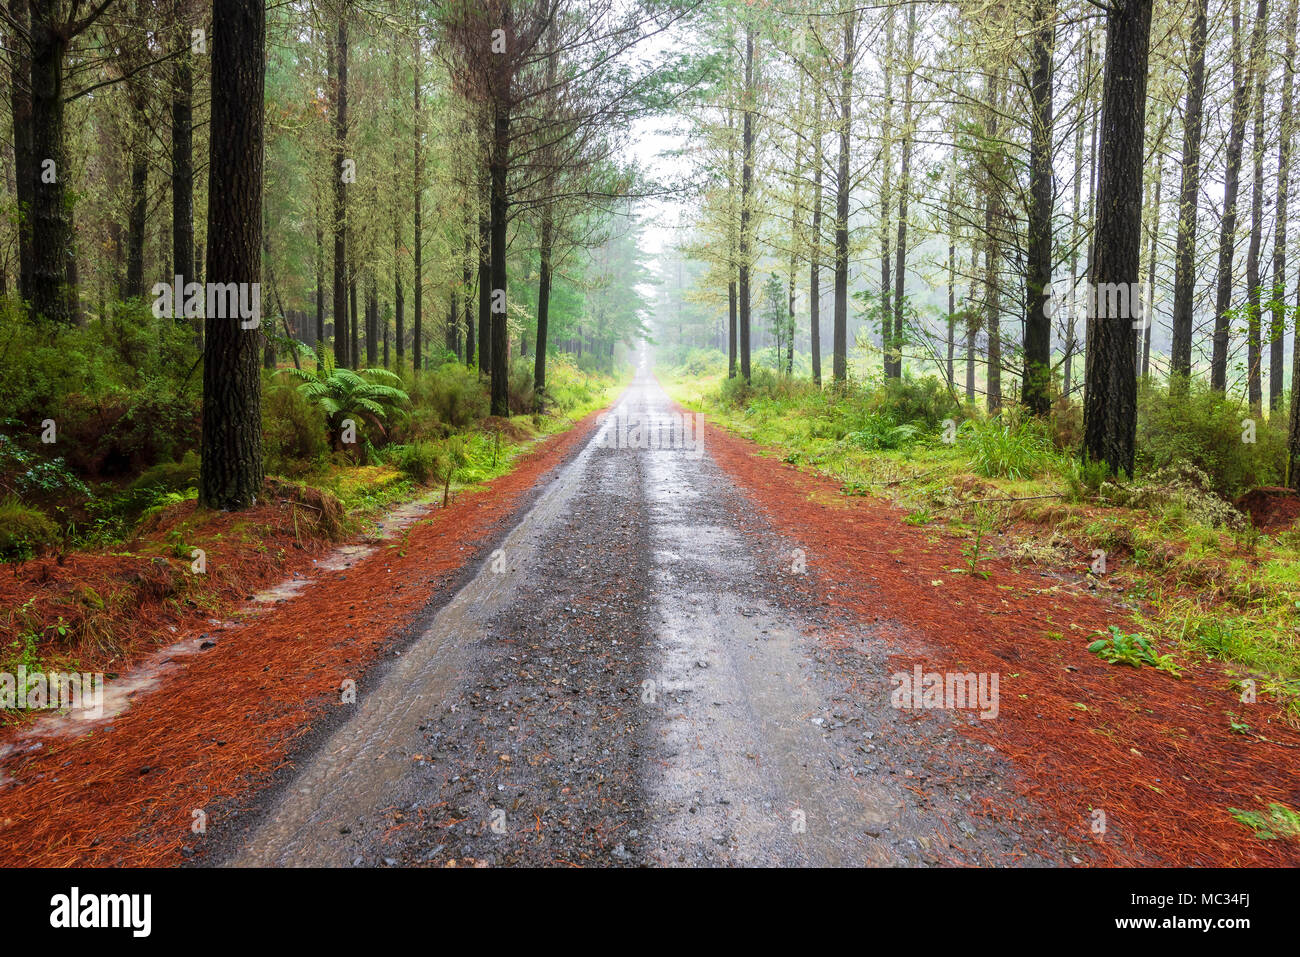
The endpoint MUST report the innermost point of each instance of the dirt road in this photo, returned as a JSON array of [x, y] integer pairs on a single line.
[[638, 676]]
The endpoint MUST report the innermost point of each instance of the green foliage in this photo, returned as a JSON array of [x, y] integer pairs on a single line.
[[1083, 478], [449, 398], [23, 471], [764, 383], [1278, 822], [521, 386], [160, 479], [879, 433], [1202, 428], [292, 438], [926, 402], [1004, 448], [1134, 650], [569, 388], [701, 362], [368, 395], [1181, 495], [983, 527], [120, 389], [421, 461], [24, 531]]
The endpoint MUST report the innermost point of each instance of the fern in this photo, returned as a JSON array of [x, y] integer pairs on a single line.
[[342, 394]]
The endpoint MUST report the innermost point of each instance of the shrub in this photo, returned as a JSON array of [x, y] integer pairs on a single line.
[[1181, 494], [700, 362], [1067, 424], [567, 386], [367, 397], [292, 437], [421, 461], [764, 383], [521, 386], [24, 531], [1201, 428], [925, 401], [161, 479], [447, 398], [880, 433], [1004, 448], [120, 389]]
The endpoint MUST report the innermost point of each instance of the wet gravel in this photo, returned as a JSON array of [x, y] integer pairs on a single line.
[[537, 759], [661, 682]]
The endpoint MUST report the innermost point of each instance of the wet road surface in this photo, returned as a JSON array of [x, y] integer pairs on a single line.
[[635, 677]]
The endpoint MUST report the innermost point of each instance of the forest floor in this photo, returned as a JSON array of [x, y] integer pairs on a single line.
[[663, 656]]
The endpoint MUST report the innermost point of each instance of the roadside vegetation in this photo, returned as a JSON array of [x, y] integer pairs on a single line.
[[103, 522], [1176, 546]]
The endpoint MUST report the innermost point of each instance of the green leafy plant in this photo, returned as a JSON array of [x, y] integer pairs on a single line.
[[1135, 650], [1236, 725], [1005, 449], [24, 531], [456, 458], [1279, 821], [343, 394], [982, 528]]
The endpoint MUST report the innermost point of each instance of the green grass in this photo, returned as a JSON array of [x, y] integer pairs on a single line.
[[1208, 590]]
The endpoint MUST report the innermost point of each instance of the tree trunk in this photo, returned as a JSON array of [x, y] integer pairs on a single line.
[[417, 249], [183, 155], [139, 206], [1110, 406], [339, 87], [1188, 197], [372, 321], [1228, 222], [53, 289], [886, 193], [839, 364], [952, 266], [972, 324], [354, 336], [484, 280], [992, 290], [1071, 343], [399, 299], [25, 171], [467, 283], [815, 242], [1293, 433], [1253, 348], [320, 288], [1036, 385], [231, 447], [543, 311], [1285, 133], [500, 358], [746, 189], [451, 335], [904, 185], [1154, 247]]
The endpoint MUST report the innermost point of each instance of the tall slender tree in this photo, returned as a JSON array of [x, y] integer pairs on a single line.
[[231, 470], [1110, 405]]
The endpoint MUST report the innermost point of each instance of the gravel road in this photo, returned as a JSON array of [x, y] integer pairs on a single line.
[[640, 675]]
